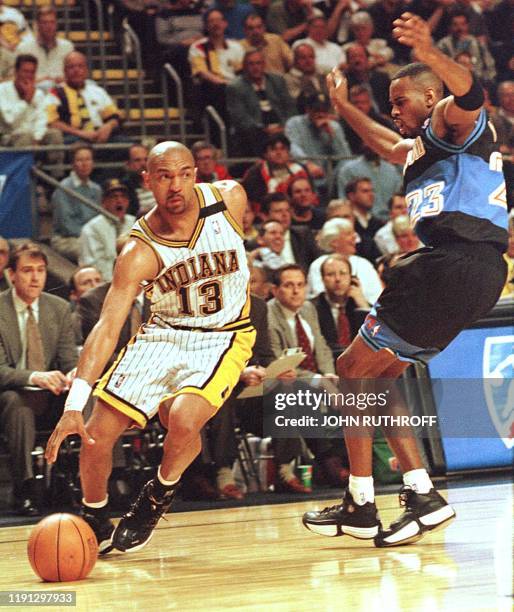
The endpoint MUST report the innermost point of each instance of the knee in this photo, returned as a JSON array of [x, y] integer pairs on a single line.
[[103, 437], [181, 426]]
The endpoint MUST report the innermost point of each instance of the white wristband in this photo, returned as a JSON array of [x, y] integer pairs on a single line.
[[78, 395]]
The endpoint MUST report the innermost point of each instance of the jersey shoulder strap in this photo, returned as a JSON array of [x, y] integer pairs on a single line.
[[211, 200]]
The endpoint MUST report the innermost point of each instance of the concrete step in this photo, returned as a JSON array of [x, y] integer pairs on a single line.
[[115, 74], [29, 3], [117, 88], [94, 35], [111, 47], [151, 114], [114, 60]]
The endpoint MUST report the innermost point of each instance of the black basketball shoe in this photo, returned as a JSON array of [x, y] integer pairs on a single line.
[[98, 520], [348, 518], [137, 526], [423, 513]]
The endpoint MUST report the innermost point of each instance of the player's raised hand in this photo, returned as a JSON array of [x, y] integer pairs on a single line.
[[411, 30], [337, 87], [71, 422]]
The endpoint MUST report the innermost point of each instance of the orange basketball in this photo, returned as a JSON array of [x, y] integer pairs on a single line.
[[62, 547]]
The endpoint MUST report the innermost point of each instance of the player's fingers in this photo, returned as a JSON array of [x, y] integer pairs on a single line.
[[52, 447]]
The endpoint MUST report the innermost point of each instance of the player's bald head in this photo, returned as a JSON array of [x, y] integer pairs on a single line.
[[169, 149], [422, 77]]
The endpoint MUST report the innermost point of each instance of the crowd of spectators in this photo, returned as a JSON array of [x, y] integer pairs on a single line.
[[326, 217]]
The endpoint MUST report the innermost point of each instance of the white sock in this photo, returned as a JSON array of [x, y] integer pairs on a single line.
[[97, 505], [165, 483], [361, 489], [419, 480]]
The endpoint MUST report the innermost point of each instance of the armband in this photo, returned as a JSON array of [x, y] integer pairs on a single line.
[[473, 100], [78, 395]]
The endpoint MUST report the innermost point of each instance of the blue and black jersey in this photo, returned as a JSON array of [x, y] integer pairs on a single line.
[[457, 192]]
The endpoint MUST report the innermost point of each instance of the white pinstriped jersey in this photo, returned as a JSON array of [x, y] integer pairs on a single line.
[[203, 282]]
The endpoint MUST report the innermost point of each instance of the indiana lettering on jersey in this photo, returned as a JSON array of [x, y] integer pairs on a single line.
[[200, 267]]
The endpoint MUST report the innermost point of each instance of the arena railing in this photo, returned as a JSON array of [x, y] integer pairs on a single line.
[[211, 113], [101, 33], [131, 45], [168, 72], [50, 180]]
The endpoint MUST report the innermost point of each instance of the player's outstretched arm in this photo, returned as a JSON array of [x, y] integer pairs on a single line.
[[136, 263], [387, 143], [234, 196], [459, 112]]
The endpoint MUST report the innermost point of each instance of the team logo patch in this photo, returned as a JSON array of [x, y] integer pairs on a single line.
[[120, 380], [498, 372], [372, 326]]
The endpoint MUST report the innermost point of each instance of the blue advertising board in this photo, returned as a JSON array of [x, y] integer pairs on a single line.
[[486, 406], [15, 201]]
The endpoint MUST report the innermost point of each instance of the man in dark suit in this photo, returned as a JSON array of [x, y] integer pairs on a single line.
[[342, 306], [299, 244], [83, 279], [37, 349], [258, 104], [361, 195], [4, 260], [293, 322], [90, 305]]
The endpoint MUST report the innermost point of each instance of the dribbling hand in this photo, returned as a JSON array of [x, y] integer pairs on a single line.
[[71, 422]]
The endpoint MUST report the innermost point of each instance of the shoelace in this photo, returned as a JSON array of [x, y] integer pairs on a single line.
[[153, 512], [405, 494], [332, 509]]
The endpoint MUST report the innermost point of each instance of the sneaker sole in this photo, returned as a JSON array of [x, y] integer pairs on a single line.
[[437, 519], [105, 547], [411, 532], [133, 548], [332, 531]]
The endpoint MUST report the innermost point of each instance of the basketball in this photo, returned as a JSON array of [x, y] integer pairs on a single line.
[[62, 547]]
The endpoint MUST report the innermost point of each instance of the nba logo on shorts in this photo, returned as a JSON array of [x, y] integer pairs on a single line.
[[120, 380], [498, 372], [372, 326]]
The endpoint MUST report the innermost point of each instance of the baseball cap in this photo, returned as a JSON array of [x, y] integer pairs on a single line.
[[113, 184], [313, 101]]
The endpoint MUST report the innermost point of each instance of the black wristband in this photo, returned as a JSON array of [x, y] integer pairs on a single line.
[[473, 100]]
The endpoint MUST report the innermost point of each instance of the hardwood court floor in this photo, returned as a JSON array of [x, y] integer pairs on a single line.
[[262, 559]]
